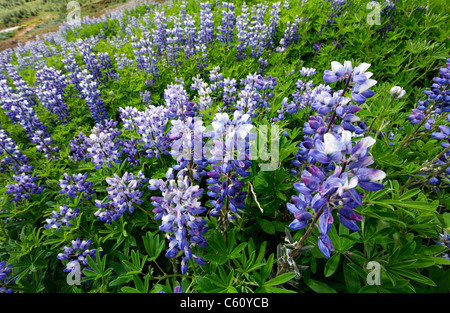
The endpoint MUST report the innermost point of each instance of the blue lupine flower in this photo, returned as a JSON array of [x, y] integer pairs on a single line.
[[5, 278], [23, 187], [61, 218], [178, 209], [78, 147], [50, 90], [123, 193], [443, 134], [343, 163], [150, 125], [103, 148], [324, 242], [75, 185], [12, 158], [301, 215], [76, 256], [91, 93]]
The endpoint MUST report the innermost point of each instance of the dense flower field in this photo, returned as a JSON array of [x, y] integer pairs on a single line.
[[229, 146]]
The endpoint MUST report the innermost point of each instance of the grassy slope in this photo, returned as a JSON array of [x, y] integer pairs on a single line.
[[45, 21]]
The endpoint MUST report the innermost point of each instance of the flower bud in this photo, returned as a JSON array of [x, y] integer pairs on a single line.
[[397, 92]]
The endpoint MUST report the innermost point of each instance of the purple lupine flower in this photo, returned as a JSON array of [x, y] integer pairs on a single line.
[[12, 158], [23, 187], [259, 32], [50, 90], [204, 99], [123, 193], [273, 21], [77, 256], [387, 13], [19, 111], [145, 55], [187, 146], [159, 32], [78, 147], [305, 95], [76, 185], [242, 31], [444, 240], [308, 72], [73, 69], [44, 143], [122, 61], [107, 67], [357, 77], [177, 101], [298, 209], [150, 125], [190, 36], [206, 31], [92, 64], [337, 7], [291, 34], [5, 278], [226, 28], [230, 137], [265, 84], [178, 209], [416, 117], [332, 185], [103, 148], [444, 133], [61, 217], [22, 88], [249, 95], [324, 240], [438, 102], [91, 94], [175, 43], [131, 149]]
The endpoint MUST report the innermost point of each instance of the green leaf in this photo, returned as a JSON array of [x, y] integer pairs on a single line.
[[434, 249], [411, 274], [319, 286], [266, 226], [205, 284], [265, 271], [406, 250], [358, 270], [352, 280], [279, 290], [138, 283], [238, 249], [409, 194], [280, 279], [332, 265], [120, 280], [92, 264], [442, 261], [127, 289]]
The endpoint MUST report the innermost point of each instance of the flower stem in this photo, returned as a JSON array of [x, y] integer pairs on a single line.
[[295, 252]]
